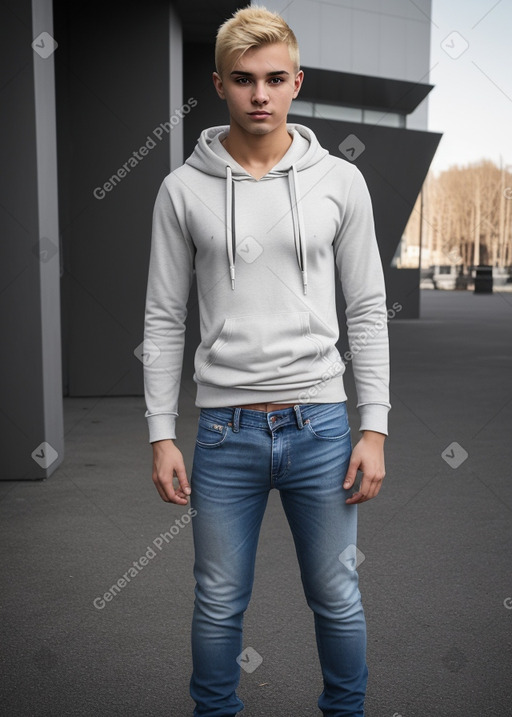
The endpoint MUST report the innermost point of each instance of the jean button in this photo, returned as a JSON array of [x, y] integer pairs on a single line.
[[273, 419]]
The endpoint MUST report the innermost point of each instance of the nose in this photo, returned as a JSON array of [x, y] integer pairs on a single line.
[[260, 95]]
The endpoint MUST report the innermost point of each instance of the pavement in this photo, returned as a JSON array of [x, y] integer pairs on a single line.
[[435, 570]]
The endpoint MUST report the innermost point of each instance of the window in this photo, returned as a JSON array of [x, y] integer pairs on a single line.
[[347, 114]]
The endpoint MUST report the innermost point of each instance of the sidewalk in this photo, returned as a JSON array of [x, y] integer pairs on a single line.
[[436, 577]]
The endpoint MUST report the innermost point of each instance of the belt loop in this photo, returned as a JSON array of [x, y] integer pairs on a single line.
[[298, 416], [236, 420]]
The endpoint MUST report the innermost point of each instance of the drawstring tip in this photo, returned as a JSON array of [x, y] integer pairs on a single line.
[[232, 273], [304, 282]]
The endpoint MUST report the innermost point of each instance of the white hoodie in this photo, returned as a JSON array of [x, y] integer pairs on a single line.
[[266, 254]]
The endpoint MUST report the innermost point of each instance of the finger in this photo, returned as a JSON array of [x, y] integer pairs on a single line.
[[351, 474], [374, 486], [356, 498], [369, 488], [181, 496], [167, 492], [175, 495], [362, 494], [181, 474]]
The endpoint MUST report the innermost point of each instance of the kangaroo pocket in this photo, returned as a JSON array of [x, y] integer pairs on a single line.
[[266, 350]]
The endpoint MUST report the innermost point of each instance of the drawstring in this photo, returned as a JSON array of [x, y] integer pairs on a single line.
[[299, 234], [230, 224], [298, 226]]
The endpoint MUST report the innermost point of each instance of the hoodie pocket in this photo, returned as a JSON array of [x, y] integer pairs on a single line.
[[265, 350]]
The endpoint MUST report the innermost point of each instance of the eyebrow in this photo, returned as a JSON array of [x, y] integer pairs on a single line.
[[269, 74]]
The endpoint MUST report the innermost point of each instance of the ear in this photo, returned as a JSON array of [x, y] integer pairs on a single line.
[[217, 81], [299, 77]]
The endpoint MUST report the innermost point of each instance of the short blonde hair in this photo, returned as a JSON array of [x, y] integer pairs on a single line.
[[252, 27]]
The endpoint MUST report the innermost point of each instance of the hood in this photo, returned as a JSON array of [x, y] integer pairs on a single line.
[[210, 157]]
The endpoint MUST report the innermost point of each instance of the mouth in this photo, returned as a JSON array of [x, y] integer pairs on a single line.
[[259, 114]]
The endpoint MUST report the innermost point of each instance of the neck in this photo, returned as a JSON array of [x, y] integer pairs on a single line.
[[257, 150]]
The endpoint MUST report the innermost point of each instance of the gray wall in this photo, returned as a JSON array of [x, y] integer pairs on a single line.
[[31, 416], [113, 90]]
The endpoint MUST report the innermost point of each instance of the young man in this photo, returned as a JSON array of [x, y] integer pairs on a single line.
[[266, 217]]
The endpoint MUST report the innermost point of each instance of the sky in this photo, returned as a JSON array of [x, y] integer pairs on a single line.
[[471, 68]]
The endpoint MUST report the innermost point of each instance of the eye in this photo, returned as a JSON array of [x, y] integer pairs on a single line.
[[242, 80], [276, 80]]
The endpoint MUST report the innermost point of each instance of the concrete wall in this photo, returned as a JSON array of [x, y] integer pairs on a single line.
[[31, 417], [115, 77]]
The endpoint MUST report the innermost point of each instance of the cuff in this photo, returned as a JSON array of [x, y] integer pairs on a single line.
[[374, 417], [161, 427]]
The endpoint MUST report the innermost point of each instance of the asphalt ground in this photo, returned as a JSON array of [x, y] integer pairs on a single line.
[[435, 576]]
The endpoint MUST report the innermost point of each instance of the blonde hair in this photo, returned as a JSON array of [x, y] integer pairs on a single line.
[[252, 27]]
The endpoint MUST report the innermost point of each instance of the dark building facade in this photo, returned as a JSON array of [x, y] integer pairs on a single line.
[[101, 100]]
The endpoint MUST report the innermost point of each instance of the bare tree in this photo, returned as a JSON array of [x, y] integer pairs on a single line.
[[466, 218]]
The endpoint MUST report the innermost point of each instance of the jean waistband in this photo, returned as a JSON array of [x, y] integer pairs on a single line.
[[245, 417]]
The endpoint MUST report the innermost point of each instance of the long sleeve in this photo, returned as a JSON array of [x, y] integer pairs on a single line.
[[169, 280], [360, 270]]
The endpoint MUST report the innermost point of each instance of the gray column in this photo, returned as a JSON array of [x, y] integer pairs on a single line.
[[31, 410], [176, 98]]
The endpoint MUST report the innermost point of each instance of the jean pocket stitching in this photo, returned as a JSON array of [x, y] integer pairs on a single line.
[[327, 438], [222, 436]]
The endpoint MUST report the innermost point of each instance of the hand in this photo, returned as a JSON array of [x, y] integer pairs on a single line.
[[367, 456], [167, 463]]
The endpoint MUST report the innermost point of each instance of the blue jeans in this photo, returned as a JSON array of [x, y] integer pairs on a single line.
[[240, 455]]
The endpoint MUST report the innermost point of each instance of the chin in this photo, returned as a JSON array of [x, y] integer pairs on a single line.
[[261, 130]]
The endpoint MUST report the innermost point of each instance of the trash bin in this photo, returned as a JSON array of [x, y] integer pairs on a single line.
[[483, 279]]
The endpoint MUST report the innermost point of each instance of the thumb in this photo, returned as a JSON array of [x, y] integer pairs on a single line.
[[351, 473]]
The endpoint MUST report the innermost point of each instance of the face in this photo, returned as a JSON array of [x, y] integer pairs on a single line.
[[259, 87]]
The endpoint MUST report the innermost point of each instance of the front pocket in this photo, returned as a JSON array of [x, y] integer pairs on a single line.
[[265, 350], [211, 435], [330, 424], [327, 436]]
